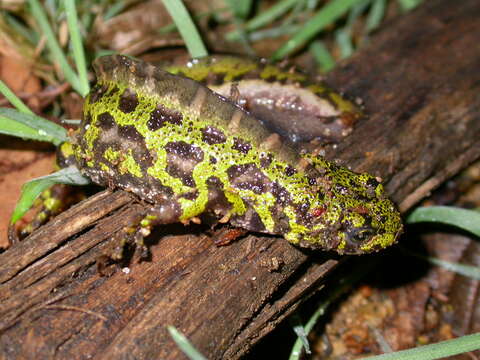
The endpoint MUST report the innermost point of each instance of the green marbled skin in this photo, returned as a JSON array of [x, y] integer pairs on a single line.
[[190, 152], [285, 100]]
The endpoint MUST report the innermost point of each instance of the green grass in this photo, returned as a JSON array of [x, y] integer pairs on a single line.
[[182, 342], [435, 351], [30, 126], [32, 189], [23, 123], [468, 220], [14, 100], [343, 284], [464, 219], [299, 24], [77, 47], [58, 55], [186, 27], [332, 11]]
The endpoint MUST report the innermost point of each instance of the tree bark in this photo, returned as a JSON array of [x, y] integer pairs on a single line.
[[420, 84]]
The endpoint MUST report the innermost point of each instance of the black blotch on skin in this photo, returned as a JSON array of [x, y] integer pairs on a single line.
[[320, 195], [162, 115], [367, 220], [281, 194], [248, 177], [241, 146], [216, 195], [143, 157], [312, 181], [213, 160], [303, 214], [129, 132], [187, 180], [341, 189], [214, 182], [97, 92], [185, 151], [182, 159], [113, 91], [123, 61], [105, 121], [128, 101], [372, 182], [87, 118], [192, 195], [141, 70], [256, 223], [163, 190], [273, 78], [212, 135], [214, 78], [266, 161], [289, 170]]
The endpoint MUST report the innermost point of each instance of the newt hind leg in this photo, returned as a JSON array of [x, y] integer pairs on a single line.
[[140, 227]]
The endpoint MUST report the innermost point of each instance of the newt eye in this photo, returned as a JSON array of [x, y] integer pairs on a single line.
[[359, 235]]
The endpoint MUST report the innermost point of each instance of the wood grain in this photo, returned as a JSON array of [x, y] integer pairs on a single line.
[[420, 83]]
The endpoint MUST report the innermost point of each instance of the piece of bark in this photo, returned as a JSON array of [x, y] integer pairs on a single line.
[[419, 82]]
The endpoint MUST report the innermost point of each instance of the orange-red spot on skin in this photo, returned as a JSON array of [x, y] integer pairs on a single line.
[[317, 212], [360, 210]]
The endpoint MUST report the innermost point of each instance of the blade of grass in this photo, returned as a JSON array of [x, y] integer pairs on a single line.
[[462, 269], [14, 100], [472, 272], [273, 32], [344, 283], [114, 10], [239, 23], [344, 40], [20, 28], [435, 351], [77, 45], [468, 220], [30, 126], [375, 15], [322, 56], [241, 9], [312, 4], [299, 330], [327, 15], [356, 12], [408, 5], [186, 27], [185, 345], [264, 18], [32, 189], [271, 14], [13, 128], [53, 45]]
